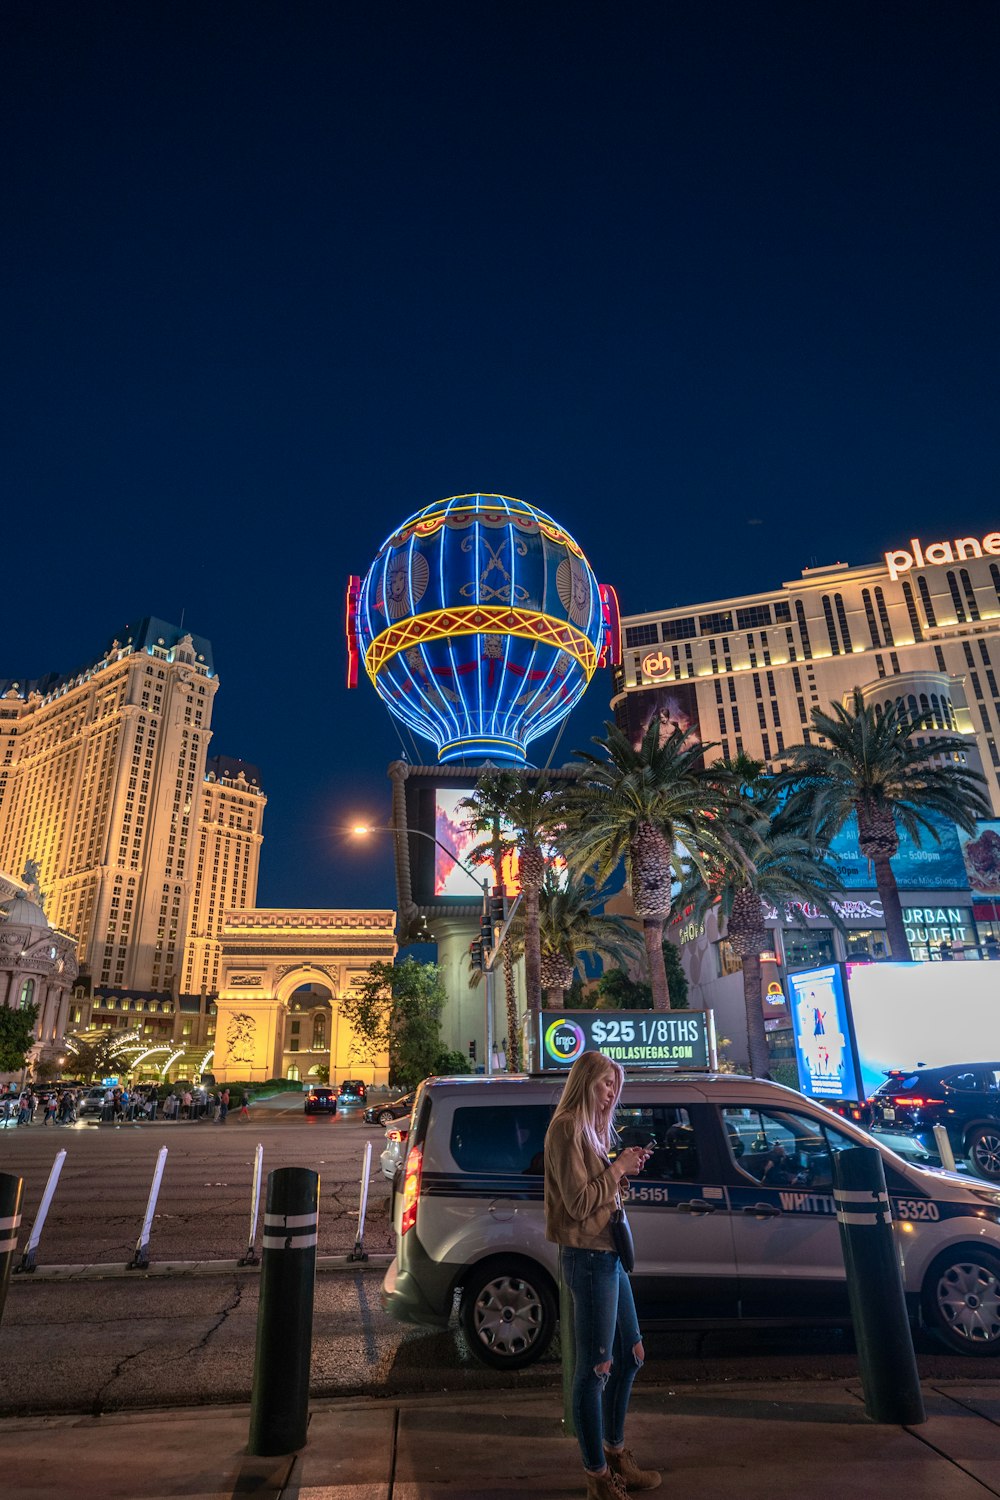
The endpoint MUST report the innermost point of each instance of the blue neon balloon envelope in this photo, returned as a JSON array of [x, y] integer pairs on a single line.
[[480, 624]]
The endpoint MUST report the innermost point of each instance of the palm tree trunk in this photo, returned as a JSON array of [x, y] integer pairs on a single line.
[[760, 1057], [513, 1029], [532, 950], [554, 997], [892, 910], [652, 936]]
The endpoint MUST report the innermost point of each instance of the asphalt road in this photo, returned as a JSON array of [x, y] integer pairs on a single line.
[[142, 1342]]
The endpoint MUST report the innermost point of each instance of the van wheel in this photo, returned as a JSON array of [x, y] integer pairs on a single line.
[[508, 1313], [984, 1152], [961, 1299]]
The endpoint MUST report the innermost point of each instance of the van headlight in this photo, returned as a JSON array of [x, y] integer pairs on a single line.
[[986, 1195]]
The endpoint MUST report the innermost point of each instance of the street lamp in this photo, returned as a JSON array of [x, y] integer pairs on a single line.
[[362, 829]]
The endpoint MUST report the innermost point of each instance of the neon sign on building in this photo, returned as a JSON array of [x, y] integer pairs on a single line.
[[937, 553]]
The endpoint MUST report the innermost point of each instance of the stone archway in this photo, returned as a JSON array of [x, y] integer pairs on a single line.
[[270, 955]]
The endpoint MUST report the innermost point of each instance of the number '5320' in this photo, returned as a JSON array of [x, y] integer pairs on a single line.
[[916, 1208]]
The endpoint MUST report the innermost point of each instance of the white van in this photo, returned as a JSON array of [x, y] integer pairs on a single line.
[[726, 1229]]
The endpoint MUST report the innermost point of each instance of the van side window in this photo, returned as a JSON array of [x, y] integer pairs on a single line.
[[675, 1146], [779, 1148], [500, 1140]]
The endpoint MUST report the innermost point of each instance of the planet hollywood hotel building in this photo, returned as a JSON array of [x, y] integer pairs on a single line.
[[922, 624]]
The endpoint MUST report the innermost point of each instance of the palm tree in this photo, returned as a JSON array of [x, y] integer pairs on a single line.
[[487, 809], [570, 924], [534, 822], [654, 807], [875, 766], [768, 861]]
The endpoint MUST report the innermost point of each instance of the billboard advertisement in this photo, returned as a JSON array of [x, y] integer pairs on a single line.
[[931, 1014], [822, 1031], [931, 867], [635, 1038], [674, 705], [456, 841], [981, 855]]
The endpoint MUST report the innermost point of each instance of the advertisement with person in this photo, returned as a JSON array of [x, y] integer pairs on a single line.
[[456, 840], [821, 1030], [981, 854], [675, 706]]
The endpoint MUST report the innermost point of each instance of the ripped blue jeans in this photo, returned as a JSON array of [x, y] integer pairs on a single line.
[[605, 1328]]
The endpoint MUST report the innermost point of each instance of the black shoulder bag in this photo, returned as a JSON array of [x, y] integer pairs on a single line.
[[621, 1236]]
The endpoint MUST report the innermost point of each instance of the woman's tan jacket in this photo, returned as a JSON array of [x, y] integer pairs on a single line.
[[580, 1189]]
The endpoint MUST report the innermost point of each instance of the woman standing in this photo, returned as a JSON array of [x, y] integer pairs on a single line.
[[582, 1187]]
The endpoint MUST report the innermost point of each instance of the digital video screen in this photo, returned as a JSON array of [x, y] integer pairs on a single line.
[[931, 1014], [819, 1025], [453, 833]]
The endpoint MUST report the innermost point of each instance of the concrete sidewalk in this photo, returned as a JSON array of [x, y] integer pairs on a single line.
[[750, 1441]]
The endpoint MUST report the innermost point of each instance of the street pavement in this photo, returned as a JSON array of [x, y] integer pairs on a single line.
[[716, 1441]]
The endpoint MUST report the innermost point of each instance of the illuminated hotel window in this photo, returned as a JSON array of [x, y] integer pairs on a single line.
[[970, 594], [883, 615], [641, 635], [870, 616], [880, 663], [956, 599], [782, 611], [911, 610], [800, 616], [716, 624], [831, 629], [752, 616], [925, 597]]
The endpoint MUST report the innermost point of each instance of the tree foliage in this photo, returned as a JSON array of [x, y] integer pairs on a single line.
[[98, 1057], [396, 1010], [17, 1036]]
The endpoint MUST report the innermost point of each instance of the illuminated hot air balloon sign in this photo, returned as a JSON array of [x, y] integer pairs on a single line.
[[480, 624]]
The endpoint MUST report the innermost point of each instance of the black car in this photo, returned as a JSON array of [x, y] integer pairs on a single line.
[[352, 1091], [384, 1114], [321, 1101], [963, 1097]]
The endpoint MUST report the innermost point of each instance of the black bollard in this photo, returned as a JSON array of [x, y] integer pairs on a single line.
[[279, 1407], [875, 1287], [11, 1188]]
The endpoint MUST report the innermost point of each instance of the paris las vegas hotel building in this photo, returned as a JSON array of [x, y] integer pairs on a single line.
[[141, 840], [922, 624]]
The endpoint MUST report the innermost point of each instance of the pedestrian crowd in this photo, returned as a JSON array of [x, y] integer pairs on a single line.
[[64, 1104]]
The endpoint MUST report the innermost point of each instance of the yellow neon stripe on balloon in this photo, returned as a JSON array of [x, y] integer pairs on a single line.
[[433, 517], [480, 619]]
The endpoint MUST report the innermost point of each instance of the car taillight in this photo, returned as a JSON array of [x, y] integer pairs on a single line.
[[395, 1135], [915, 1100], [411, 1188]]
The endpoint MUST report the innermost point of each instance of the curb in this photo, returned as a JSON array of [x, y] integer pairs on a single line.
[[113, 1270]]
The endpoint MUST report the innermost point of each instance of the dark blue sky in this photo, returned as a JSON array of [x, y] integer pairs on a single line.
[[714, 284]]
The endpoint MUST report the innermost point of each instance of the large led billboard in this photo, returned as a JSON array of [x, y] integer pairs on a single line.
[[934, 1014], [930, 867], [456, 841]]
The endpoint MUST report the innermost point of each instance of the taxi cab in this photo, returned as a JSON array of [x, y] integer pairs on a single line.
[[733, 1217]]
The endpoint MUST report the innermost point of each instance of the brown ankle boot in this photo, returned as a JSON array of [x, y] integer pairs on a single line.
[[624, 1465], [608, 1486]]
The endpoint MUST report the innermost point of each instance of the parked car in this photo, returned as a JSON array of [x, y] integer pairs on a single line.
[[963, 1097], [320, 1101], [718, 1240], [382, 1114], [352, 1091], [395, 1150]]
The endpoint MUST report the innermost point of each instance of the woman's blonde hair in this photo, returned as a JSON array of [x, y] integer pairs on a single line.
[[579, 1099]]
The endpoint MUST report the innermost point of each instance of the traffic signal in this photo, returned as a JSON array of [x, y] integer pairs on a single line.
[[472, 1051], [476, 953], [485, 934], [498, 910]]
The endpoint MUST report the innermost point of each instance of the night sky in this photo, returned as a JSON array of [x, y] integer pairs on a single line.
[[714, 284]]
